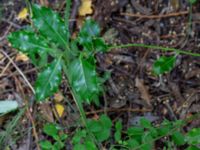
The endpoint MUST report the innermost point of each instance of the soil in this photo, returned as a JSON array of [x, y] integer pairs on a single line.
[[132, 91]]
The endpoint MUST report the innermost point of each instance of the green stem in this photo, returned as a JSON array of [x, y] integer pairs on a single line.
[[67, 15], [157, 48], [78, 102]]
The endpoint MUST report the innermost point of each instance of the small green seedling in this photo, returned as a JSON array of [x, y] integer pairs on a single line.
[[59, 139]]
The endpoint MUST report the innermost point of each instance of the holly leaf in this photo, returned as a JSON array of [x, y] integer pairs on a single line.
[[48, 81], [50, 25], [31, 44], [84, 79], [163, 65], [88, 32]]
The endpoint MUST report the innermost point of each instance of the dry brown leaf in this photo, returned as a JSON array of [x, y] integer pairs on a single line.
[[22, 14], [85, 8], [60, 109], [21, 57], [46, 112], [58, 97], [139, 83]]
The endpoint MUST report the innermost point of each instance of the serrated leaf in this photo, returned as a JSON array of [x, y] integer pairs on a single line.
[[88, 32], [163, 65], [83, 79], [48, 81], [31, 44], [50, 24], [100, 45], [7, 106]]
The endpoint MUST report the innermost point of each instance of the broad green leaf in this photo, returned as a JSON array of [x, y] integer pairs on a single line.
[[7, 106], [31, 44], [84, 79], [50, 25], [50, 129], [193, 136], [45, 145], [178, 138], [48, 81], [163, 65]]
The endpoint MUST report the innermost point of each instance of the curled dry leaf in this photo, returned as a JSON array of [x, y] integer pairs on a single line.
[[58, 97], [22, 14], [21, 57], [139, 83], [85, 8]]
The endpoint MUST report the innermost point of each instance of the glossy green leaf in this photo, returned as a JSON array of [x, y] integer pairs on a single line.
[[178, 138], [50, 129], [48, 81], [7, 106], [45, 145], [83, 79], [163, 65], [100, 45], [50, 25], [31, 44], [193, 136], [88, 32]]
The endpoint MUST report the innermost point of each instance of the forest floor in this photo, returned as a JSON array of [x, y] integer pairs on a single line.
[[132, 91]]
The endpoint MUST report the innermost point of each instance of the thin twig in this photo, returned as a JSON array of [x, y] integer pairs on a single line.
[[156, 16], [119, 110], [20, 72]]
